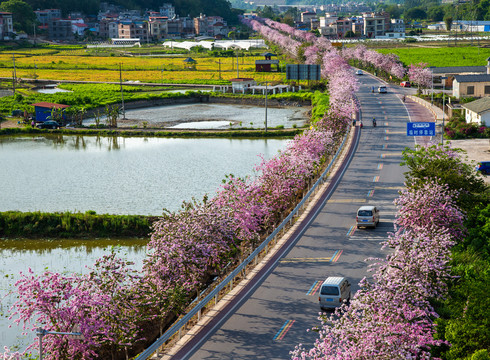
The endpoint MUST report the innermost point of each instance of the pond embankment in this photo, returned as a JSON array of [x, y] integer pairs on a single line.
[[29, 225]]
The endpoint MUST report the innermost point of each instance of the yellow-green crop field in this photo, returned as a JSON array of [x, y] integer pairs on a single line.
[[38, 64]]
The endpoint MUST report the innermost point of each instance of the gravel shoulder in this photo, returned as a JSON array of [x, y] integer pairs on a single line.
[[476, 150]]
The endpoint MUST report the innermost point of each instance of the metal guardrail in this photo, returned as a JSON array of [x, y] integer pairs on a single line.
[[196, 310]]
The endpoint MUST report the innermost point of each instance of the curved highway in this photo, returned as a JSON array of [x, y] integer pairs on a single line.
[[273, 317]]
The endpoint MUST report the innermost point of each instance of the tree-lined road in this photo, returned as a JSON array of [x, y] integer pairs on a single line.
[[274, 317]]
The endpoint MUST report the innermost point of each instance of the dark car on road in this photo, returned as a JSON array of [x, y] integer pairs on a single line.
[[483, 167], [50, 124]]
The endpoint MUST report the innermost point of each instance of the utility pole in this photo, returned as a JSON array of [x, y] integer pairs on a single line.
[[237, 70], [122, 94], [219, 68], [443, 78], [266, 92], [14, 74]]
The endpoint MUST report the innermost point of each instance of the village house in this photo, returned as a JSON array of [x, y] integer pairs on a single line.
[[6, 26], [471, 85], [46, 15], [478, 111], [475, 85], [242, 84], [133, 30]]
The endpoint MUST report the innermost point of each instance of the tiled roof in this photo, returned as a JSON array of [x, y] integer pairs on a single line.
[[458, 69], [50, 105], [479, 106], [472, 78], [241, 79]]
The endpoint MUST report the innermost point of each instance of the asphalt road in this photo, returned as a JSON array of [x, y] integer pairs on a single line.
[[274, 318]]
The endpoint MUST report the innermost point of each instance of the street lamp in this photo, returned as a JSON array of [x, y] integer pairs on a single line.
[[75, 334], [432, 85], [266, 91], [443, 78], [122, 93]]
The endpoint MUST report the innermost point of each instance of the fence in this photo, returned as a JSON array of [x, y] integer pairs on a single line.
[[240, 270]]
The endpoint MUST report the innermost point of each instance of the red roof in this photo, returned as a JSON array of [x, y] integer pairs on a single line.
[[50, 105], [241, 79]]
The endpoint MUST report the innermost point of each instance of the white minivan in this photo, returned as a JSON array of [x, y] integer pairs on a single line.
[[334, 290], [367, 216]]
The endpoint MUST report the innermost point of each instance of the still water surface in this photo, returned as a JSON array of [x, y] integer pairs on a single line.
[[63, 256], [117, 175], [109, 175]]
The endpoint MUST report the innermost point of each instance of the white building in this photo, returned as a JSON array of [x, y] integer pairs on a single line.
[[242, 84], [167, 10], [6, 26], [478, 111]]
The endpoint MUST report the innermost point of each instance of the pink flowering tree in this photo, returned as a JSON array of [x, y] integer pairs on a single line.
[[420, 74], [102, 303], [113, 303], [7, 354], [391, 316], [389, 63]]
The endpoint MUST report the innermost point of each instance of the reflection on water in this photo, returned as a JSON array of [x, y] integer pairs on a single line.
[[64, 256], [119, 175], [239, 116]]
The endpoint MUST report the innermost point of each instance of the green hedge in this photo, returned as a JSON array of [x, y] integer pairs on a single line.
[[15, 224], [238, 133]]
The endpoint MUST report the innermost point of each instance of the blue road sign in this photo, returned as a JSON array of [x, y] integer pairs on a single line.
[[421, 129]]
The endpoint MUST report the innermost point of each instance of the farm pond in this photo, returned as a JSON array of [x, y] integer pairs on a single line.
[[114, 175]]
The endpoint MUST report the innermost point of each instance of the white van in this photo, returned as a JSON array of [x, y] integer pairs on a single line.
[[334, 290], [367, 216]]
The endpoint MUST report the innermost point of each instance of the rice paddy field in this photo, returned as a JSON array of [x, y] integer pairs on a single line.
[[86, 65]]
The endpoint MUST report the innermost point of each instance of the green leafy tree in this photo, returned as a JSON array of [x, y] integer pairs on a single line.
[[394, 10], [350, 34], [435, 13], [449, 22], [417, 13], [465, 316], [266, 12], [288, 19], [23, 16], [443, 165]]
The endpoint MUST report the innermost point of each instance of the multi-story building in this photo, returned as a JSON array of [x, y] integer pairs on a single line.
[[342, 26], [78, 27], [357, 26], [327, 20], [374, 25], [175, 28], [397, 26], [108, 28], [60, 29], [46, 15], [307, 16], [133, 30], [158, 27], [6, 26], [167, 10], [210, 25]]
